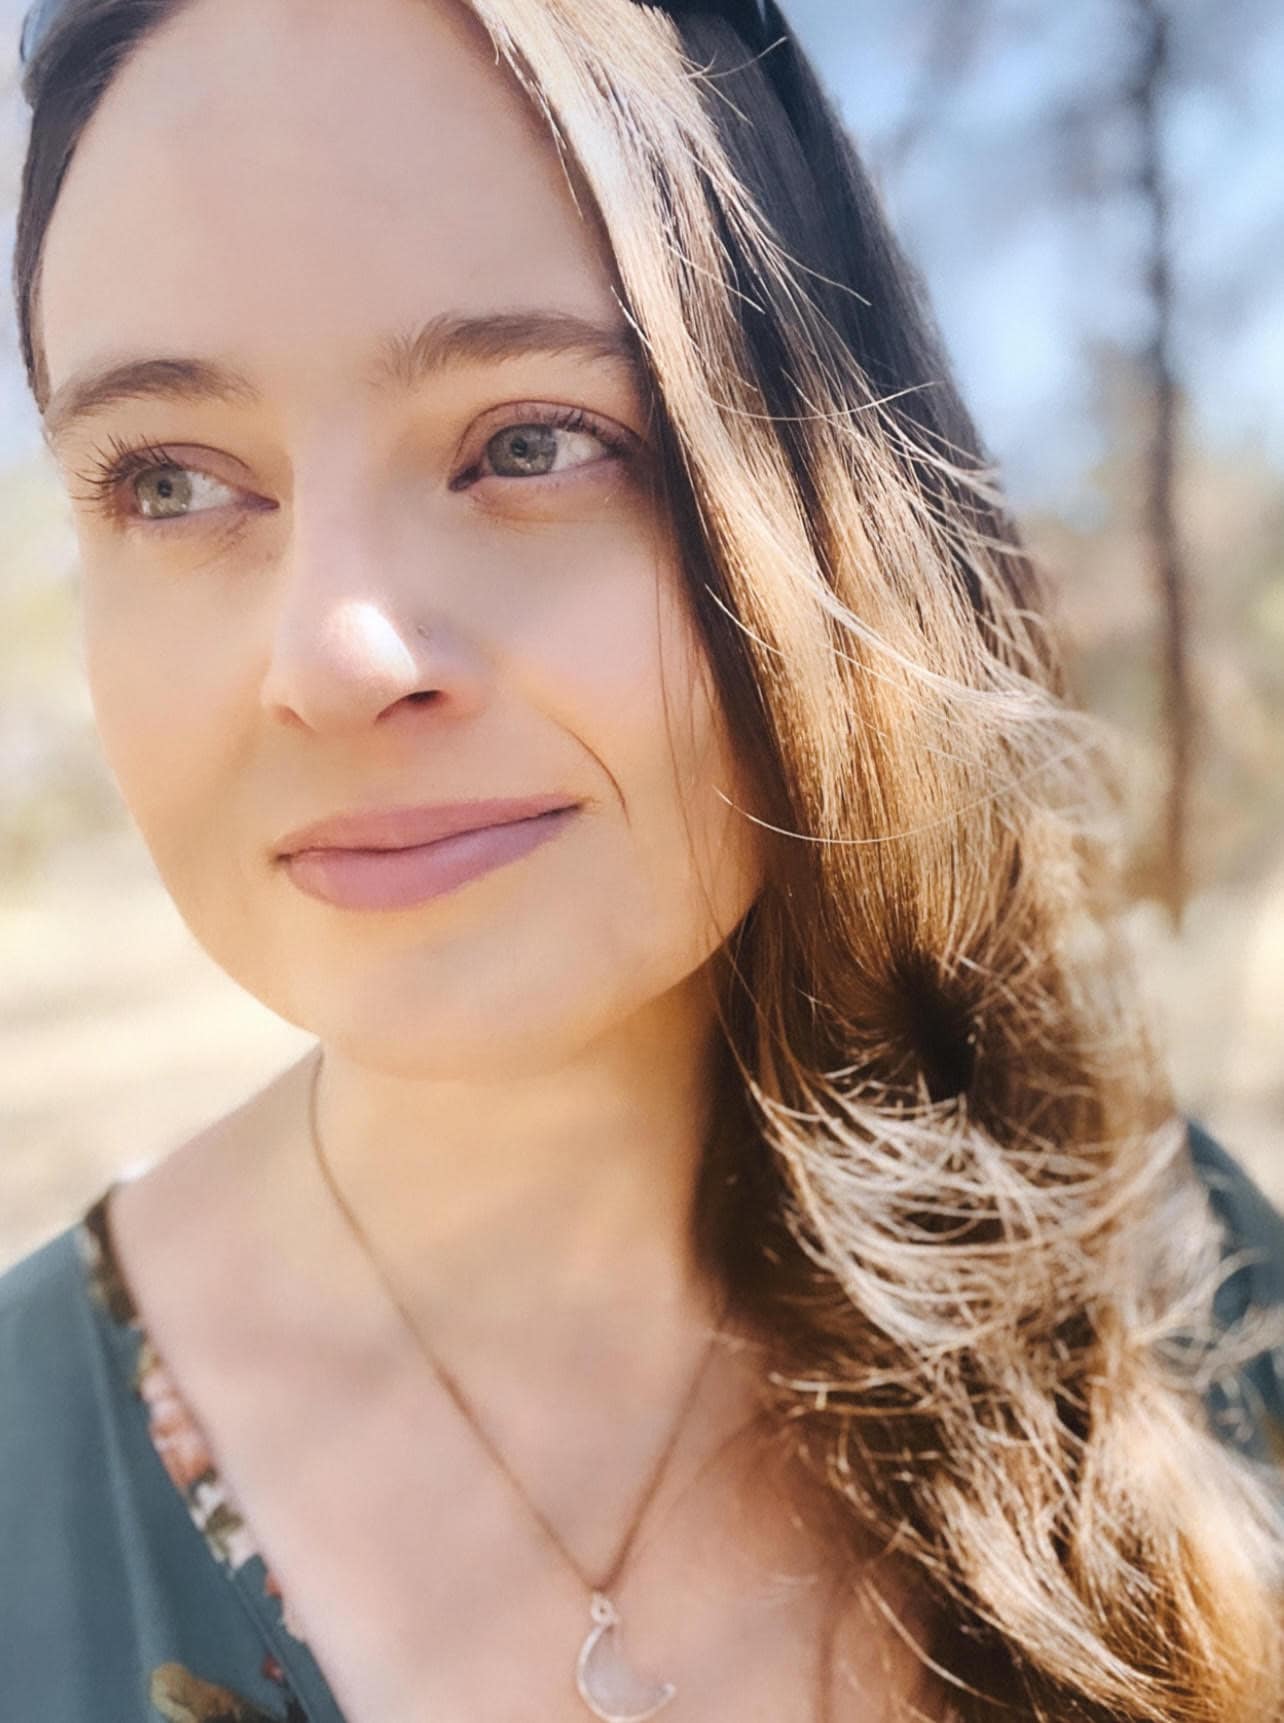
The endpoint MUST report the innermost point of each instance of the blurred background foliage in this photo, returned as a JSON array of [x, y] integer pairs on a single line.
[[1092, 194]]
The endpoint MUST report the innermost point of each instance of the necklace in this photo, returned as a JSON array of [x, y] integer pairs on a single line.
[[606, 1683]]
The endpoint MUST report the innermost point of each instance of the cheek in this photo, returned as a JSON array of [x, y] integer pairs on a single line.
[[637, 693], [156, 708]]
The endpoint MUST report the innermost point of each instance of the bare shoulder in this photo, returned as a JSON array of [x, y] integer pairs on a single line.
[[215, 1161], [188, 1231]]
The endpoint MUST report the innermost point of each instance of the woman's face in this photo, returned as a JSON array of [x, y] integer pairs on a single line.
[[293, 193]]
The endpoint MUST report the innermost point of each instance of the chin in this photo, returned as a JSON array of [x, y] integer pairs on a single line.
[[411, 1034]]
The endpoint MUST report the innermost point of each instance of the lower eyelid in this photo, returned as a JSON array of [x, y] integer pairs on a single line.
[[225, 518], [616, 447]]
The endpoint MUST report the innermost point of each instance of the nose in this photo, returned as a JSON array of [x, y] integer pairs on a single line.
[[361, 633]]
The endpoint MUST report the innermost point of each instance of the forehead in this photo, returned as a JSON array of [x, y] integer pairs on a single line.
[[281, 181]]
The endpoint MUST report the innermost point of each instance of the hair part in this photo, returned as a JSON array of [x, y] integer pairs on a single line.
[[947, 1185]]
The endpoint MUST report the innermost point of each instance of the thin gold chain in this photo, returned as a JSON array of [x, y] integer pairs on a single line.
[[457, 1395]]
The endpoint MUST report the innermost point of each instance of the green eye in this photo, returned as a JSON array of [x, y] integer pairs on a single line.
[[146, 483], [172, 491], [523, 449], [539, 448]]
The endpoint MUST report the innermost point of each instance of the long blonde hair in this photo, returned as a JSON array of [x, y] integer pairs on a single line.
[[947, 1182]]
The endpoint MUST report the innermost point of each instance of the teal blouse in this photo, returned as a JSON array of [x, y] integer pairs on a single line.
[[132, 1586]]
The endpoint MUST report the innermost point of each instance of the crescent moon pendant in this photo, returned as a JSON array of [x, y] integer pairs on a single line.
[[610, 1689]]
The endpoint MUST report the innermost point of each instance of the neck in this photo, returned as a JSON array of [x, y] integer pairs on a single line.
[[569, 1193]]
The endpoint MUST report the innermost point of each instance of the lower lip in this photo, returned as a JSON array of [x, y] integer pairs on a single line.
[[396, 879]]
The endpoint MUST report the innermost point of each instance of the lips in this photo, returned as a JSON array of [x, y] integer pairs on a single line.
[[399, 857], [409, 827]]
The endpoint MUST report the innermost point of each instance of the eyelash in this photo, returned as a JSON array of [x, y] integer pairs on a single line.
[[118, 461]]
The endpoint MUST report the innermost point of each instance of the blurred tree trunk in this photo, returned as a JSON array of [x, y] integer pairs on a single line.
[[1162, 530]]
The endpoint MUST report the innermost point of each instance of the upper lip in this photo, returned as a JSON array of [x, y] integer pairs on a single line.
[[405, 827]]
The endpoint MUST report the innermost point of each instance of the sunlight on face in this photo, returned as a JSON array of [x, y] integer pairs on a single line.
[[307, 210]]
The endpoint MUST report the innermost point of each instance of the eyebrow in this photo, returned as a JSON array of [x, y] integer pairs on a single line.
[[402, 363]]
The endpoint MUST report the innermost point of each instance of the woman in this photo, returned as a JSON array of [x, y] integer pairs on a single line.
[[733, 1249]]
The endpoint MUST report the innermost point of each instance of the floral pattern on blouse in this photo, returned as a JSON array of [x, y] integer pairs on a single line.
[[182, 1697], [176, 1693]]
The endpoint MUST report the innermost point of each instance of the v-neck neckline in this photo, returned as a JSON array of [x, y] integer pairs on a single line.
[[169, 1430]]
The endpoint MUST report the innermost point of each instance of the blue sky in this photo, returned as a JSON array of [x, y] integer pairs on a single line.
[[1021, 287]]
